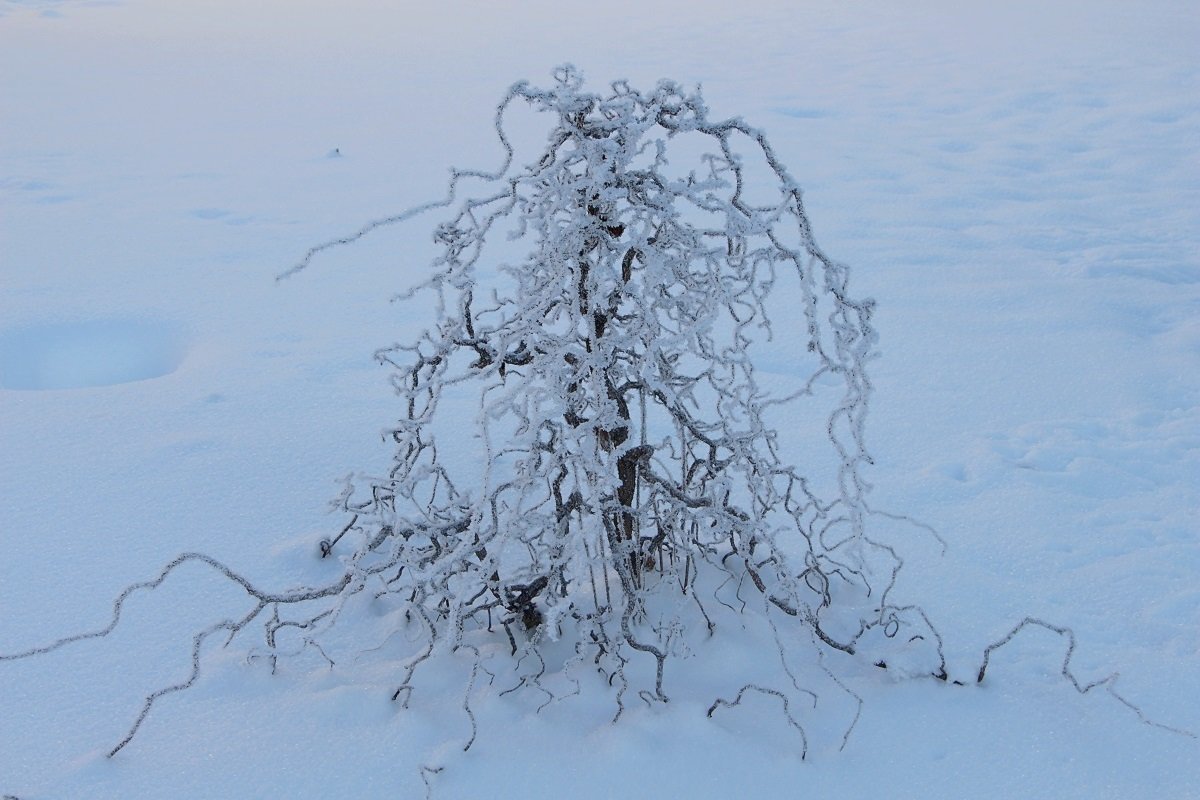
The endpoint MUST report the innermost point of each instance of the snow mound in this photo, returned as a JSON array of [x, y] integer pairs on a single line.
[[88, 354]]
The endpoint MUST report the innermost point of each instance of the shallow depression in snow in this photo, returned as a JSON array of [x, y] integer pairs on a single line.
[[87, 354]]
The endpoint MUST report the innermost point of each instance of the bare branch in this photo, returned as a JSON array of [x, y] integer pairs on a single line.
[[1107, 681]]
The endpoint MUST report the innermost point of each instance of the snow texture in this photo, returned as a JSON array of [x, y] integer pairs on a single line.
[[1017, 185]]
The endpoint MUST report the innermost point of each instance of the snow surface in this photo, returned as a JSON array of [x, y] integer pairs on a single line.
[[1017, 184]]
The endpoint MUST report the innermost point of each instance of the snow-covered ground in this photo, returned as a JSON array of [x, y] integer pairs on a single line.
[[1017, 184]]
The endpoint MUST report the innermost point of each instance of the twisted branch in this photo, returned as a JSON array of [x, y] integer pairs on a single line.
[[1107, 682]]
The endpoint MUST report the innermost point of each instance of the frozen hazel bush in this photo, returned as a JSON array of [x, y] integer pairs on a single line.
[[601, 311], [588, 459], [637, 421]]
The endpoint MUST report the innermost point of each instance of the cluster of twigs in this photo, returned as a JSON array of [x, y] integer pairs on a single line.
[[619, 425]]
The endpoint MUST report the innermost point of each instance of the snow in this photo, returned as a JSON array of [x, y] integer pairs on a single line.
[[1017, 185], [95, 353]]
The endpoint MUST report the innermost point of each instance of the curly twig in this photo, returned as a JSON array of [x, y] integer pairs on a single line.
[[1083, 688], [719, 702]]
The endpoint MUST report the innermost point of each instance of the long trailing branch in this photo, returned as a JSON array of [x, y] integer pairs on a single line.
[[1108, 682], [264, 599]]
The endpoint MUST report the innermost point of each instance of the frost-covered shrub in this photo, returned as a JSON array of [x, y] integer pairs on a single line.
[[588, 457], [635, 425], [600, 313]]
